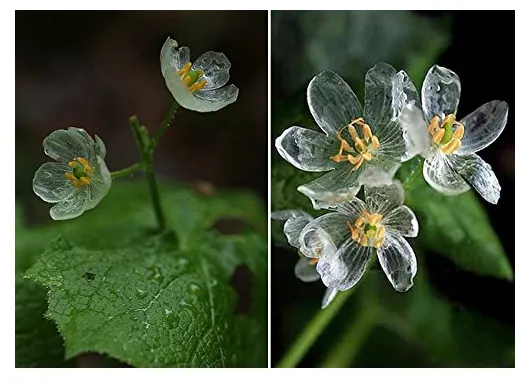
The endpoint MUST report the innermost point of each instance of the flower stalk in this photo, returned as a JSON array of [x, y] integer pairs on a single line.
[[164, 126], [129, 171]]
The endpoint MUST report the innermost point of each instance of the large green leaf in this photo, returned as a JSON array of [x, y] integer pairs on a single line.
[[457, 226]]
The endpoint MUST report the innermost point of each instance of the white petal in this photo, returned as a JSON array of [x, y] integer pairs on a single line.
[[440, 175], [100, 184], [385, 198], [346, 268], [403, 221], [318, 238], [404, 93], [226, 95], [353, 208], [392, 140], [483, 126], [441, 91], [332, 103], [296, 220], [378, 171], [50, 183], [66, 145], [336, 186], [415, 129], [329, 295], [478, 174], [72, 206], [398, 262], [305, 271], [215, 67], [378, 94], [100, 147], [173, 58], [307, 149]]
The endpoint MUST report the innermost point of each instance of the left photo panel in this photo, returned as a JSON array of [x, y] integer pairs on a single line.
[[141, 189]]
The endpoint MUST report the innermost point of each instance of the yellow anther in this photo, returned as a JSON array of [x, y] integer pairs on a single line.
[[339, 158], [380, 232], [358, 121], [373, 220], [352, 132], [451, 147], [359, 222], [361, 149], [72, 164], [375, 142], [437, 137], [70, 177], [85, 164], [187, 79], [364, 240], [314, 261], [184, 70], [434, 123], [84, 180], [367, 156], [359, 145], [448, 119], [459, 131], [367, 134], [378, 243]]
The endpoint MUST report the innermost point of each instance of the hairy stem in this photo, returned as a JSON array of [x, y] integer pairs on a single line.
[[164, 126], [127, 171]]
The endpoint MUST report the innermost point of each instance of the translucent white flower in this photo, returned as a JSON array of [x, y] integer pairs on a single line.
[[199, 86], [358, 146], [305, 270], [449, 146], [358, 228], [79, 179]]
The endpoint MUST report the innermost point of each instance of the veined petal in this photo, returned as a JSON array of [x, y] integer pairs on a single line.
[[404, 94], [398, 261], [339, 185], [100, 184], [296, 220], [384, 198], [415, 129], [352, 207], [392, 142], [379, 94], [483, 126], [332, 103], [305, 271], [346, 268], [50, 183], [440, 175], [329, 295], [72, 206], [318, 238], [307, 149], [478, 174], [403, 221], [66, 145], [379, 171], [215, 67], [441, 91], [225, 95], [100, 147], [173, 58]]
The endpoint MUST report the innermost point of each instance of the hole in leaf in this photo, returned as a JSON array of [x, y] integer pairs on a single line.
[[242, 282]]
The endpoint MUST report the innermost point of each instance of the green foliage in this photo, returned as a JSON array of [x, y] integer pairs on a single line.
[[115, 287]]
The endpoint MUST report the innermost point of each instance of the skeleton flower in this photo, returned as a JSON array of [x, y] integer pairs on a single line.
[[79, 179], [359, 146], [357, 228], [449, 146], [305, 268], [201, 86]]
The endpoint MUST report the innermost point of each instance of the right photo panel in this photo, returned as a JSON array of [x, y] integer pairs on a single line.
[[392, 189]]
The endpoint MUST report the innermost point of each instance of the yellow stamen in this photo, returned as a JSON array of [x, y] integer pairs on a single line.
[[380, 232], [367, 134], [437, 137], [84, 180], [363, 147], [448, 119], [434, 123], [359, 222], [367, 156], [364, 241], [185, 69], [85, 164], [451, 147], [352, 132], [375, 142], [459, 131]]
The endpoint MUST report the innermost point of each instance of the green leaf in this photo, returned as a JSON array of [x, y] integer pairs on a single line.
[[456, 227], [118, 289]]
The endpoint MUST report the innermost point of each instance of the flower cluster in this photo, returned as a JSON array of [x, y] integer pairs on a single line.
[[364, 147]]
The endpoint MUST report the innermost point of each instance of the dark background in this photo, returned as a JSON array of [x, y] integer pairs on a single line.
[[95, 69], [474, 37]]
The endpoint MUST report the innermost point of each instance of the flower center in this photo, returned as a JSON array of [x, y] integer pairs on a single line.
[[81, 172], [191, 78], [368, 230], [446, 134], [361, 149]]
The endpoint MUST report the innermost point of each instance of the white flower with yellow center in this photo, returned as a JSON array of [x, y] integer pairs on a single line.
[[449, 146], [79, 179], [358, 228], [305, 270], [359, 146], [199, 86]]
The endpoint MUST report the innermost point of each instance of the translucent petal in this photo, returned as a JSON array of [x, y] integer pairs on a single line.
[[478, 174], [379, 171], [296, 220], [329, 295], [100, 147], [173, 58], [379, 94], [307, 149], [100, 184], [319, 237], [483, 126], [66, 145], [346, 268], [227, 94], [404, 94], [439, 173], [72, 206], [332, 103], [403, 221], [339, 185], [385, 198], [417, 138], [398, 261], [392, 141], [305, 271], [352, 208], [215, 67], [50, 183], [441, 91]]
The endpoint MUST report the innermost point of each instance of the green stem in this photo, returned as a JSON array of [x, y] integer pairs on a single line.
[[144, 145], [312, 331], [126, 171], [164, 126]]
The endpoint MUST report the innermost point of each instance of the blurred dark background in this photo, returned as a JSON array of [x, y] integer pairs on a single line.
[[482, 54], [95, 69]]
